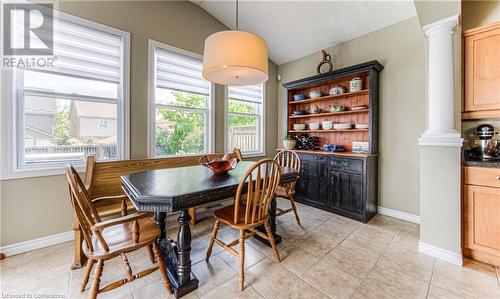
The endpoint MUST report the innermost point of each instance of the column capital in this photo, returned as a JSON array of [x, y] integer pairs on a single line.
[[446, 25]]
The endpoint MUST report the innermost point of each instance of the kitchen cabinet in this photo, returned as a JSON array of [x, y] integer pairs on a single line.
[[345, 186], [481, 214], [482, 72]]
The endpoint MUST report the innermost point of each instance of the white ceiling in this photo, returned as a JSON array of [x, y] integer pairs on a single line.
[[293, 29]]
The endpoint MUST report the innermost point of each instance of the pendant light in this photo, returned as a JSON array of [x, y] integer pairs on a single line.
[[234, 57]]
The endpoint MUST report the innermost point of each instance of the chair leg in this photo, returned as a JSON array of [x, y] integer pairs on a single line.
[[161, 267], [212, 239], [94, 289], [151, 254], [294, 207], [242, 259], [271, 240], [86, 275]]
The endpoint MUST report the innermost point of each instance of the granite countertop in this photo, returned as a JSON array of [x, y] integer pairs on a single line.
[[470, 160]]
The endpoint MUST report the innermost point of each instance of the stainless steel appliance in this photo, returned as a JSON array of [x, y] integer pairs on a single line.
[[485, 147]]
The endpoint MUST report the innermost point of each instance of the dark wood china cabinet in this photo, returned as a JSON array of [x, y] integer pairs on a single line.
[[345, 183]]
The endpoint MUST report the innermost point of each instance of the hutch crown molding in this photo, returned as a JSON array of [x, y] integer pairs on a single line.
[[345, 183]]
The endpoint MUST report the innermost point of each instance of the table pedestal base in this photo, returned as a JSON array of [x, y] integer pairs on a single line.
[[168, 250]]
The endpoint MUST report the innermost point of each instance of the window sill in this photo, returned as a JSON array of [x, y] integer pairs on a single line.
[[253, 155], [26, 173]]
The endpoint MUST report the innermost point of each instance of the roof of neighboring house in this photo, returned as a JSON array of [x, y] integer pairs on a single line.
[[40, 132], [94, 109], [39, 106]]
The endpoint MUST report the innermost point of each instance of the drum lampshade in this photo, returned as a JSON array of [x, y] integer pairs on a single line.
[[235, 57]]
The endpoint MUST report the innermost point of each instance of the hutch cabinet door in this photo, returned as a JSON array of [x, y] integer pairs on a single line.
[[482, 71], [482, 218], [346, 191], [313, 183]]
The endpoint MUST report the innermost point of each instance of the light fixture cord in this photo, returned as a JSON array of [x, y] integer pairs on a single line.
[[236, 14]]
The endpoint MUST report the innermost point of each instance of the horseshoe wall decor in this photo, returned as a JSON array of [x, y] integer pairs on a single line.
[[327, 59]]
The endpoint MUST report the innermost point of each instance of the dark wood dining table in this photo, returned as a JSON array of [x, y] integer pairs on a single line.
[[177, 189]]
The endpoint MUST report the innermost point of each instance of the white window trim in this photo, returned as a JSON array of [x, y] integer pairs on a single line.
[[8, 153], [254, 154], [152, 44]]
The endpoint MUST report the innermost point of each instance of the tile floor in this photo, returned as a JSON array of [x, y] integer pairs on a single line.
[[328, 256]]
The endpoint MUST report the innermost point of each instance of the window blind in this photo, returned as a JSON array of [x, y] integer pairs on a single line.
[[252, 93], [180, 72], [79, 50]]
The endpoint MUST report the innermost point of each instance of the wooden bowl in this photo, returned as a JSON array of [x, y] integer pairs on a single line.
[[219, 166]]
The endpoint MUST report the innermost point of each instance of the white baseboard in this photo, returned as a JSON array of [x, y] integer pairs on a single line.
[[36, 243], [399, 215], [440, 253]]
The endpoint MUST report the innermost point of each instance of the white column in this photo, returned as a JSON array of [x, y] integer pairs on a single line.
[[440, 94]]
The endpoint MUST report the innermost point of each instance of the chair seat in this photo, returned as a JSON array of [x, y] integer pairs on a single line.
[[121, 240], [226, 215], [283, 191]]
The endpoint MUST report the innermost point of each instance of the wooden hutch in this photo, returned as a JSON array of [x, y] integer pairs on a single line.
[[345, 183]]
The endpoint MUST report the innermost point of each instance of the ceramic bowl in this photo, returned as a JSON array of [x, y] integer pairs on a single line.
[[327, 124], [299, 127], [299, 97], [315, 94], [314, 126], [219, 166]]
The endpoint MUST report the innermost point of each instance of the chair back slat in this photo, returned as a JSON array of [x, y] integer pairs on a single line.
[[288, 158], [259, 191], [85, 212]]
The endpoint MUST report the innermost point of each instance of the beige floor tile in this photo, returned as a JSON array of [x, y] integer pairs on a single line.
[[331, 280], [411, 230], [231, 289], [336, 228], [47, 258], [375, 242], [469, 281], [295, 259], [8, 267], [54, 281], [498, 274], [352, 257], [273, 281], [385, 282], [211, 274], [386, 224], [318, 244], [412, 263], [439, 293], [252, 256]]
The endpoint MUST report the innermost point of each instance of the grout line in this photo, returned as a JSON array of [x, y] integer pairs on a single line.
[[376, 263], [430, 280], [14, 274]]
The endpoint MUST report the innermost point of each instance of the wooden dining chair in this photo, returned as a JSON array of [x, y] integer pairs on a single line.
[[288, 158], [250, 210], [104, 240]]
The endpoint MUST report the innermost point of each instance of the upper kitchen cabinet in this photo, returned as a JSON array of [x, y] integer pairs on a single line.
[[482, 72]]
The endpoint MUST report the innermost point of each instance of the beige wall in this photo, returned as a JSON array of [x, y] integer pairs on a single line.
[[38, 207], [479, 13], [401, 49]]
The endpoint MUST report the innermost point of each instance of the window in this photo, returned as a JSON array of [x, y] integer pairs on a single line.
[[245, 119], [76, 107], [181, 103]]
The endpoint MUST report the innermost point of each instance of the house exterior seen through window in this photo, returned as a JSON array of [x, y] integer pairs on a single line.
[[181, 103], [77, 106], [245, 119]]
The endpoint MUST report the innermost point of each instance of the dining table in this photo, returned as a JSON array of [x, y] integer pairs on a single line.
[[172, 190]]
